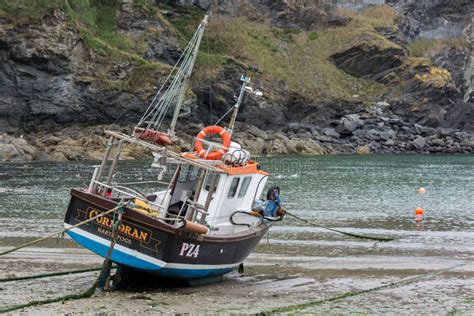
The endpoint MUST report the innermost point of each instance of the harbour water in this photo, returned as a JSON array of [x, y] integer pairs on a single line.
[[369, 193], [363, 194]]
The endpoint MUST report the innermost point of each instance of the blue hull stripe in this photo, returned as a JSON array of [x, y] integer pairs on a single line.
[[127, 259]]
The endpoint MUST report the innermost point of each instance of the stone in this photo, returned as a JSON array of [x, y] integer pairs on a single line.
[[443, 132], [304, 146], [372, 134], [367, 60], [255, 131], [389, 142], [15, 149], [360, 133], [382, 104], [388, 134], [57, 156], [437, 142], [394, 121], [331, 132], [468, 143], [9, 152], [324, 138], [419, 142], [363, 150], [49, 140], [349, 123], [419, 129]]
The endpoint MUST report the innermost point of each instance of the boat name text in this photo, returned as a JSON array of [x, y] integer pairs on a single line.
[[124, 229]]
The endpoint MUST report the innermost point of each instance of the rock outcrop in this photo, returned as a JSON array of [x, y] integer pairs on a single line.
[[381, 78]]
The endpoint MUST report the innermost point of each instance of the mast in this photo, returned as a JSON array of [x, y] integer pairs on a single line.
[[245, 81], [169, 98], [186, 76]]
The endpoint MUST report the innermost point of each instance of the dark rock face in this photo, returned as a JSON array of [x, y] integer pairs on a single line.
[[433, 18], [369, 61], [135, 24], [50, 80], [50, 85], [450, 104]]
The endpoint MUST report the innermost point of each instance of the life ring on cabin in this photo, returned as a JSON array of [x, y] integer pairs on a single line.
[[215, 154], [159, 138]]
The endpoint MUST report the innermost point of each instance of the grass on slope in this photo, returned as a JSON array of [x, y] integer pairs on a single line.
[[299, 58], [430, 47], [25, 11]]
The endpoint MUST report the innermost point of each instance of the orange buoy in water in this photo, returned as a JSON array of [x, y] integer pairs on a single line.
[[422, 190], [419, 211]]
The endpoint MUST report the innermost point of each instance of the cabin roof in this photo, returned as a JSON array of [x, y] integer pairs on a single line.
[[250, 168], [165, 152]]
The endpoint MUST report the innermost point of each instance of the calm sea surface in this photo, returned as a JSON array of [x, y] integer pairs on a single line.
[[365, 194]]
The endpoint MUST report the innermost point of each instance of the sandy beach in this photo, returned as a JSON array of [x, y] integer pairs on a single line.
[[273, 278], [294, 264]]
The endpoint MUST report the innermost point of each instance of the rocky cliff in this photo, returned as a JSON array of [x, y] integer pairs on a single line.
[[337, 76]]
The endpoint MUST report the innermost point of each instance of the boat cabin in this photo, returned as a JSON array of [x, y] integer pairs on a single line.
[[213, 193]]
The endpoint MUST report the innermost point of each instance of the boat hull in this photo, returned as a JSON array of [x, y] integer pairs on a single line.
[[154, 247]]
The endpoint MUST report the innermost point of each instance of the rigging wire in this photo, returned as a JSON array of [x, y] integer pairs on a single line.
[[225, 114], [161, 102], [210, 80]]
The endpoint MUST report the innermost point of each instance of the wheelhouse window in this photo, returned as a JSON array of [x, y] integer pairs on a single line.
[[184, 173], [244, 187], [207, 185], [194, 174], [233, 188]]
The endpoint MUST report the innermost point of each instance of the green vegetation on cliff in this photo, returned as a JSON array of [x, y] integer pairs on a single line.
[[27, 11], [300, 59]]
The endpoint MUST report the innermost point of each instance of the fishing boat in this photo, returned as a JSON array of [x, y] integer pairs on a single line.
[[188, 215]]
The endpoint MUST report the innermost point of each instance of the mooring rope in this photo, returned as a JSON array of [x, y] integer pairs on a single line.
[[62, 231], [104, 270], [46, 275], [377, 238], [104, 278], [296, 307]]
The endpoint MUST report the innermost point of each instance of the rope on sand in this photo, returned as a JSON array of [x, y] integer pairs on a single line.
[[87, 293], [46, 275], [377, 238], [296, 307], [103, 278]]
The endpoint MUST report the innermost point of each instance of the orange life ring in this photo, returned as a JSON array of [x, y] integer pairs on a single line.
[[215, 154]]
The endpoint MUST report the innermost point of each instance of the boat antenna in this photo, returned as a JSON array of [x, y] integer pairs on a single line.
[[176, 83], [245, 81]]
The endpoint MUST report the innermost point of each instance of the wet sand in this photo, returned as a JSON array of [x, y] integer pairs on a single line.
[[274, 276], [295, 264]]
